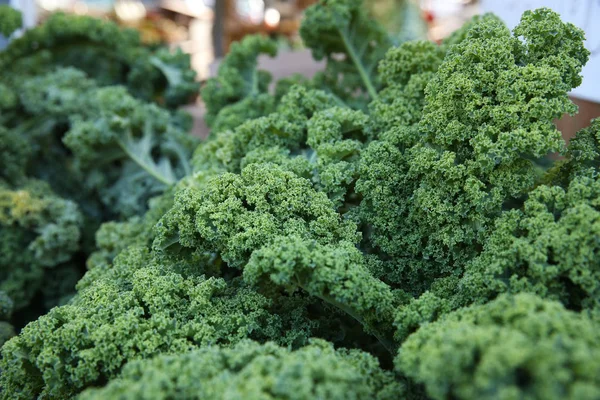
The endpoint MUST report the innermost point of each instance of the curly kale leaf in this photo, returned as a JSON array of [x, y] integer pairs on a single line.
[[335, 138], [286, 128], [333, 273], [513, 347], [308, 134], [334, 27], [238, 83], [137, 309], [584, 149], [10, 20], [6, 309], [550, 248], [405, 71], [488, 114], [104, 51], [393, 122], [40, 231], [236, 214], [274, 225], [253, 371]]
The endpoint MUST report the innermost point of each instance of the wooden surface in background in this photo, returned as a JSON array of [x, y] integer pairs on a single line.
[[570, 125]]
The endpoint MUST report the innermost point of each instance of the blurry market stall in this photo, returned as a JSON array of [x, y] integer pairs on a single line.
[[205, 29]]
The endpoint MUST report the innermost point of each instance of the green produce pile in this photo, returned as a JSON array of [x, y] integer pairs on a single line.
[[393, 228], [87, 135]]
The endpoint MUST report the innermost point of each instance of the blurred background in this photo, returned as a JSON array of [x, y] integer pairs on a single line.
[[205, 29]]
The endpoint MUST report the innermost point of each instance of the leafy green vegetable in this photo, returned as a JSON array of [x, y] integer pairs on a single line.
[[10, 20], [105, 52], [41, 236], [6, 308], [342, 27], [549, 248], [252, 371], [392, 228], [118, 148], [511, 347], [240, 87], [488, 114], [76, 153], [136, 310]]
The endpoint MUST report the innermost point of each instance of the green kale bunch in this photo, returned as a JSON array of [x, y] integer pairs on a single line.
[[42, 236], [392, 228], [104, 51], [81, 142], [6, 308], [10, 20], [114, 147], [40, 231], [76, 76], [250, 370], [137, 309], [517, 346], [432, 194]]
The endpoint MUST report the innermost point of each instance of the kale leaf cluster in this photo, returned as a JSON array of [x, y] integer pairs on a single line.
[[397, 227]]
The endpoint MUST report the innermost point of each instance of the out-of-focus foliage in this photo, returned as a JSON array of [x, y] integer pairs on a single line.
[[582, 158], [79, 145], [104, 51], [6, 308], [341, 32], [391, 228], [15, 152], [401, 18], [113, 147], [39, 231], [10, 20], [41, 235]]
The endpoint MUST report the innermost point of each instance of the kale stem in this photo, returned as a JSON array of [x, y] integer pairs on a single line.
[[387, 343], [145, 165], [359, 66]]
